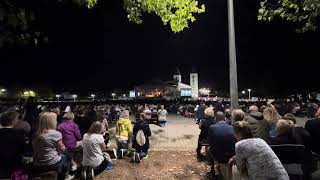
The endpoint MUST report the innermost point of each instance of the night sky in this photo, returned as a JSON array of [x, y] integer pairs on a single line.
[[99, 50]]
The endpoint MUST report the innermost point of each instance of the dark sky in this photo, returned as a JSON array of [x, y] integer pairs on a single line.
[[92, 50]]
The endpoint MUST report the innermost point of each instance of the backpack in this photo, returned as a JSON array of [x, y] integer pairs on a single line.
[[141, 138]]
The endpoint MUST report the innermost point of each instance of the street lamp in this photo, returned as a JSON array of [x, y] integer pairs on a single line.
[[74, 96], [249, 90], [243, 92], [58, 96], [232, 58], [113, 95], [93, 96], [3, 90]]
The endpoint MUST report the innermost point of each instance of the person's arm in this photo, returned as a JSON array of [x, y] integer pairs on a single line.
[[102, 145], [60, 146]]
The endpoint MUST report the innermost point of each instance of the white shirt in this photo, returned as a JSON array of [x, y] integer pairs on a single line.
[[92, 153]]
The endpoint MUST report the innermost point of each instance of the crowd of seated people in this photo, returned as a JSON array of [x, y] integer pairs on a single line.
[[247, 142], [59, 135]]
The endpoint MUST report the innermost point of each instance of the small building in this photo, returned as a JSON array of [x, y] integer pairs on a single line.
[[168, 89]]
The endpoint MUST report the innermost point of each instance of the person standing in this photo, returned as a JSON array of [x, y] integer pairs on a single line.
[[222, 143], [162, 116], [257, 123], [70, 135]]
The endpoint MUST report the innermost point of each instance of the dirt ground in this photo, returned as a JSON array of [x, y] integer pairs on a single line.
[[159, 165]]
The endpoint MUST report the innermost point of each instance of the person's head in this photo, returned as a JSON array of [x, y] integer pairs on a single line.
[[253, 108], [227, 113], [47, 121], [162, 106], [209, 113], [238, 115], [68, 116], [8, 118], [101, 116], [242, 130], [284, 126], [125, 114], [220, 116], [95, 128], [271, 115], [56, 110], [290, 117]]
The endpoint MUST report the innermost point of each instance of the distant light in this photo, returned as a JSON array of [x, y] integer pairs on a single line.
[[3, 90], [74, 95], [113, 94], [124, 95], [243, 92], [29, 93], [249, 90], [58, 95], [93, 95]]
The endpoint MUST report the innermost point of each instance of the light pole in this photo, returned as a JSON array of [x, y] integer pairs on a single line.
[[232, 58], [74, 97], [249, 90], [58, 96], [93, 96], [113, 95]]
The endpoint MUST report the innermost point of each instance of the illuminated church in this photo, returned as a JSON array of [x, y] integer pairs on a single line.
[[168, 89]]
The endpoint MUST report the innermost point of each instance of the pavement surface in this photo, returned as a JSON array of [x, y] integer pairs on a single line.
[[181, 134]]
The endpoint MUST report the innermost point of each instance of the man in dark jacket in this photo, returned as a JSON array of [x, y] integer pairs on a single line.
[[258, 124], [204, 126], [141, 151], [222, 144]]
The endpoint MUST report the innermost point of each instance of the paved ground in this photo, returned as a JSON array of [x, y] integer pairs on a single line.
[[181, 134]]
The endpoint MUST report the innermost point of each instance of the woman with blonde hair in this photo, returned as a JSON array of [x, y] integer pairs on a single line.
[[48, 149], [94, 159], [272, 116]]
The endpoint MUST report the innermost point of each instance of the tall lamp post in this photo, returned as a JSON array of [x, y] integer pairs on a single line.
[[74, 96], [113, 95], [58, 97], [249, 90], [93, 96], [232, 58]]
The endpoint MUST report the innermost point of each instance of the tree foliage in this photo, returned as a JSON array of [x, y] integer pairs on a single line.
[[304, 13], [177, 13]]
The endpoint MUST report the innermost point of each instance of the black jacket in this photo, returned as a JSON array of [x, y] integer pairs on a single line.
[[222, 141], [144, 126]]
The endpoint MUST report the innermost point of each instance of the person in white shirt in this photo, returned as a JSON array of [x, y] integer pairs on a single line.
[[94, 159], [162, 116]]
